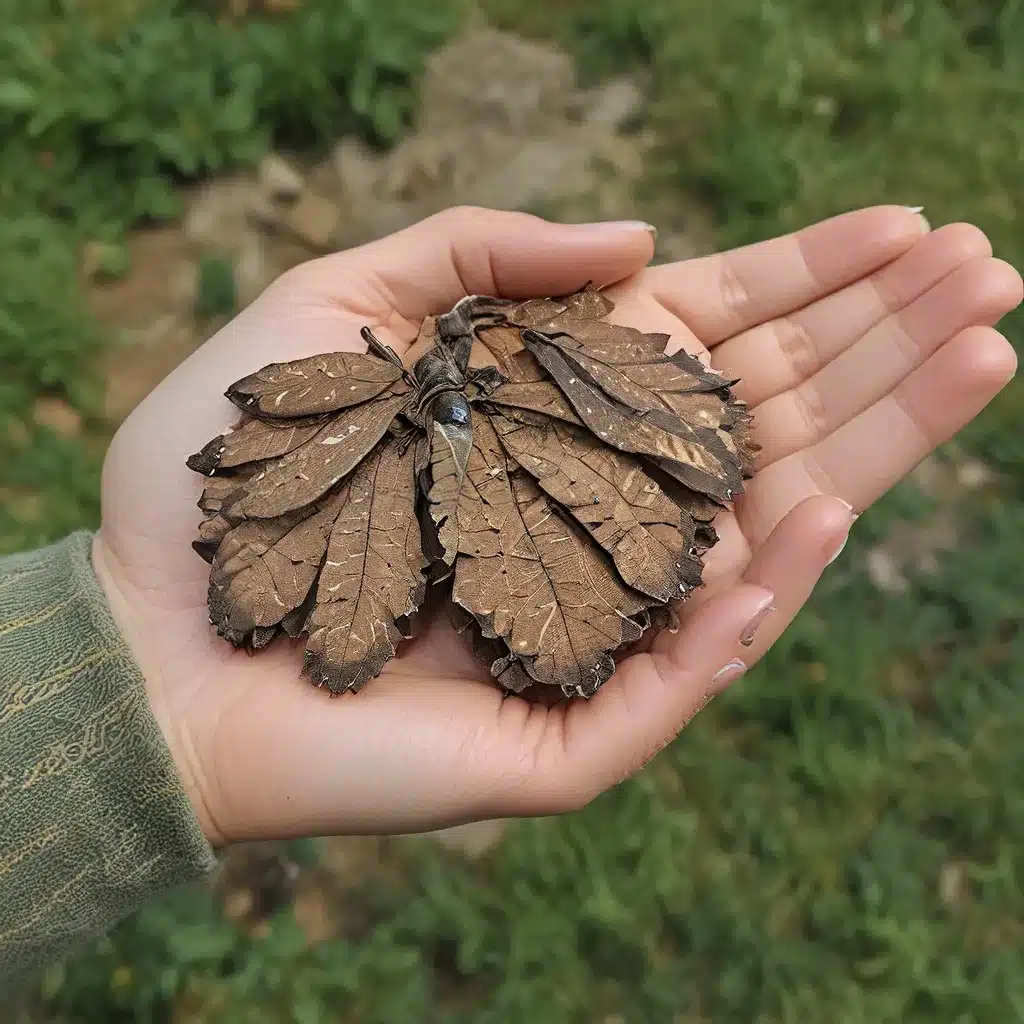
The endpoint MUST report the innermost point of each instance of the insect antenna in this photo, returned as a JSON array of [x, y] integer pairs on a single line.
[[378, 348]]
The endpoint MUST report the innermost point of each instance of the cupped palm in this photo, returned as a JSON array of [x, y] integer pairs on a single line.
[[860, 343]]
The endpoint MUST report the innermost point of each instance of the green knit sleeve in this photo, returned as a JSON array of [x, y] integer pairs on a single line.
[[93, 817]]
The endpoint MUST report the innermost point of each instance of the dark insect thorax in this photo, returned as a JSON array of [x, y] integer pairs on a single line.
[[446, 387], [442, 411], [450, 409], [436, 373]]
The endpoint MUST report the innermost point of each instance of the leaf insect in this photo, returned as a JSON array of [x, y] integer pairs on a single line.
[[561, 471]]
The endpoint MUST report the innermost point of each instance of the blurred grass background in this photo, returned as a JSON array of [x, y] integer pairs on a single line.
[[839, 839]]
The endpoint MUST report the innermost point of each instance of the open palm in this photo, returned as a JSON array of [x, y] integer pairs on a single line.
[[861, 343]]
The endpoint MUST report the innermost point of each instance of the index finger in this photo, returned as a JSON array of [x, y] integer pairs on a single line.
[[720, 295]]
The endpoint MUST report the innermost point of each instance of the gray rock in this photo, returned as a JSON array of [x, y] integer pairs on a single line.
[[278, 179]]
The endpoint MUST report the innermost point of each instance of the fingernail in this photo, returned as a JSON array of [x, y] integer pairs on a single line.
[[842, 543], [839, 551], [920, 216], [624, 225], [727, 675], [855, 515], [762, 613]]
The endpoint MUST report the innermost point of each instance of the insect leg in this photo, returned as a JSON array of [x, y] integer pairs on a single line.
[[486, 379]]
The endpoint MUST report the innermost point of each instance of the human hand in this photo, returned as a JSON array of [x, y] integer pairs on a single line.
[[861, 343]]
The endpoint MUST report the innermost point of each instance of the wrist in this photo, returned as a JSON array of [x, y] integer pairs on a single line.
[[128, 610]]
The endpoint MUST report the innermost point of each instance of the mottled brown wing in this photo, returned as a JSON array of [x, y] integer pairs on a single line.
[[696, 457], [542, 397], [530, 576], [491, 652], [212, 530], [632, 376], [310, 470], [571, 609], [219, 489], [315, 385], [589, 303], [372, 577], [608, 492], [633, 369], [677, 386], [253, 441], [449, 450], [264, 569]]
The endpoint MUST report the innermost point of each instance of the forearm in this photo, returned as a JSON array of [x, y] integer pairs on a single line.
[[93, 818]]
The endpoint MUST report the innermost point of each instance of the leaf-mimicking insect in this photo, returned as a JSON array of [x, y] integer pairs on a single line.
[[560, 471]]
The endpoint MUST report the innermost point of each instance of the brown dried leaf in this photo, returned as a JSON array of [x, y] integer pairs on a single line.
[[699, 506], [695, 457], [611, 496], [633, 368], [315, 385], [571, 509], [536, 396], [531, 577], [216, 492], [499, 346], [664, 617], [678, 386], [218, 489], [518, 364], [264, 569], [492, 652], [570, 609], [253, 441], [212, 530], [432, 548], [639, 379], [612, 343], [587, 304], [449, 450], [485, 499], [580, 316], [372, 578], [309, 471]]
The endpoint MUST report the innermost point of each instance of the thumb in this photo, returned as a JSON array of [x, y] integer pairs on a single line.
[[426, 268]]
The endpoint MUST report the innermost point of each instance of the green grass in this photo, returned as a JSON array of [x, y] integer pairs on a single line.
[[784, 860], [106, 106]]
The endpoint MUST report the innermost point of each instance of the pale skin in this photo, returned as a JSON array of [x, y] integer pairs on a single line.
[[862, 343]]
